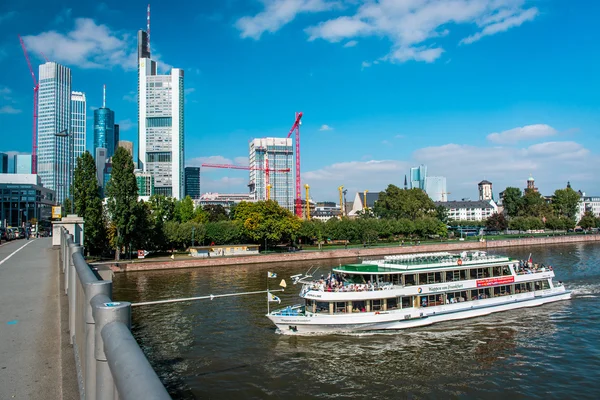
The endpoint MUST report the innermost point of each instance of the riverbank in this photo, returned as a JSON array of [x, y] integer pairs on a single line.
[[149, 265]]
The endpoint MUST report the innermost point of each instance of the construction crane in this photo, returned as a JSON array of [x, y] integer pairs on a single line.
[[296, 127], [365, 197], [36, 88], [307, 202], [248, 168], [341, 190], [444, 197]]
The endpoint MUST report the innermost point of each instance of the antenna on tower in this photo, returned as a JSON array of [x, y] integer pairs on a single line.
[[103, 96], [148, 28]]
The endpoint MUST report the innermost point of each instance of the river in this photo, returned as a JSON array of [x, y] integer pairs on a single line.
[[227, 348]]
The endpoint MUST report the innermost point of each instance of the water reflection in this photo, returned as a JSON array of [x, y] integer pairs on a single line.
[[227, 348]]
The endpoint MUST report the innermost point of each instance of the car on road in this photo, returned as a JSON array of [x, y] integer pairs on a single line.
[[3, 235]]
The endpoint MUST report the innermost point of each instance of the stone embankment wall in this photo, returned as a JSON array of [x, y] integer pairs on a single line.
[[349, 253]]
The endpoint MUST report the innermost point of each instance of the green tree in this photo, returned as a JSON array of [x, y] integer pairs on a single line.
[[396, 203], [518, 223], [442, 213], [66, 207], [496, 222], [535, 205], [512, 201], [588, 221], [162, 207], [144, 237], [565, 203], [184, 209], [266, 220], [88, 204], [122, 192], [215, 213], [555, 223], [223, 232]]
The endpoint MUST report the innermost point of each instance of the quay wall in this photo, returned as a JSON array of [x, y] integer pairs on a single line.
[[149, 265]]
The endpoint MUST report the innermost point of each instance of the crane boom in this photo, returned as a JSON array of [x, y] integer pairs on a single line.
[[247, 168], [36, 88], [296, 128]]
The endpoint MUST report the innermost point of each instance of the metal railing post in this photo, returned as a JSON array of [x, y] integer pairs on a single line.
[[105, 312], [72, 291], [92, 289]]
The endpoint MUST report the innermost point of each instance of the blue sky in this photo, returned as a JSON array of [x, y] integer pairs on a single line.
[[476, 89]]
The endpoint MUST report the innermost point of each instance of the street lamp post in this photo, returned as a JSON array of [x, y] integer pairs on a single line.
[[193, 231], [69, 156]]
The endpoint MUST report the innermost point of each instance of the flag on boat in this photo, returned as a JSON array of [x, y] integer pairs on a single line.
[[272, 297], [271, 275], [282, 283]]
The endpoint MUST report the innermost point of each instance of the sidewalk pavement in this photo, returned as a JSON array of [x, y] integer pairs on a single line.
[[36, 361]]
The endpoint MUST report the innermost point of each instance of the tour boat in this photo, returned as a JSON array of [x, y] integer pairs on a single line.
[[412, 290]]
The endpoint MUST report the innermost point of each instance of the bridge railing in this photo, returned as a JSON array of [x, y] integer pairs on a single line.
[[110, 363]]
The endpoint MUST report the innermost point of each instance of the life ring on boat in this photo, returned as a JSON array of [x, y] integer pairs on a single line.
[[459, 262]]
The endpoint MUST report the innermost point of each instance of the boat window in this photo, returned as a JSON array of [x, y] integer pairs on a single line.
[[322, 307], [409, 279], [497, 271], [340, 307], [457, 297], [521, 288], [432, 300], [376, 305], [358, 306], [407, 302], [438, 277], [545, 285], [463, 274], [422, 278], [538, 285], [430, 277], [392, 303], [502, 290], [452, 276], [396, 279], [506, 270], [479, 294]]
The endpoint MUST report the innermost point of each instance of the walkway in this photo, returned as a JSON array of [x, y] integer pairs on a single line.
[[33, 354]]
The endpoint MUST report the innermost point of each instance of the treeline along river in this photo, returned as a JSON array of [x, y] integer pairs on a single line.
[[227, 348]]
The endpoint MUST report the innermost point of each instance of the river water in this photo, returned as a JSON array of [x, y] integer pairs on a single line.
[[226, 348]]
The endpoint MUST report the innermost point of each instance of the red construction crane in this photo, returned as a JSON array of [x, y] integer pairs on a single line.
[[36, 88], [248, 168], [296, 127]]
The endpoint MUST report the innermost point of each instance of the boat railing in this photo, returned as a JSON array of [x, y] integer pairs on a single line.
[[290, 311], [352, 287], [533, 270]]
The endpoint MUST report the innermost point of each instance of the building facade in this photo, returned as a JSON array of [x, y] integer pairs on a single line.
[[3, 163], [22, 163], [126, 145], [22, 198], [588, 203], [223, 199], [78, 126], [485, 190], [469, 210], [278, 155], [161, 125], [418, 176], [435, 187], [362, 201], [104, 130], [192, 182], [54, 116], [145, 183]]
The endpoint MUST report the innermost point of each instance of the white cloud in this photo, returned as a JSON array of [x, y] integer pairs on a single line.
[[278, 13], [527, 132], [365, 64], [325, 127], [126, 124], [189, 90], [88, 45], [410, 25], [131, 96], [9, 110], [351, 43], [241, 161]]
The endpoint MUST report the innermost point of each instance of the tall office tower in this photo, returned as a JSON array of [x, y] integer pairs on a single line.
[[161, 125], [22, 163], [78, 123], [104, 128], [145, 183], [3, 163], [192, 182], [418, 176], [54, 116], [435, 187], [127, 145], [278, 154]]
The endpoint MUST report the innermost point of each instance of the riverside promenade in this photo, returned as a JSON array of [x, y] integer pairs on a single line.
[[340, 254], [36, 361]]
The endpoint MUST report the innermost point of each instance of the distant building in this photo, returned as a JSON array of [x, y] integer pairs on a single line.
[[3, 163], [192, 182], [418, 176], [145, 183], [531, 184], [278, 154], [324, 211], [588, 203], [435, 187], [359, 202], [104, 130], [224, 199], [100, 159], [485, 190], [22, 163], [125, 144], [78, 126], [22, 198], [469, 210]]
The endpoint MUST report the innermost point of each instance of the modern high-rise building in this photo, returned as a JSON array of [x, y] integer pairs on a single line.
[[418, 176], [126, 145], [54, 117], [104, 130], [145, 183], [278, 154], [22, 163], [3, 163], [100, 158], [78, 124], [192, 182], [160, 124], [435, 187]]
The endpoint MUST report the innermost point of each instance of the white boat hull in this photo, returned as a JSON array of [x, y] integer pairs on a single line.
[[411, 317]]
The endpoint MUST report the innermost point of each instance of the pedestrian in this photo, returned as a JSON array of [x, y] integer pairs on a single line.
[[28, 231]]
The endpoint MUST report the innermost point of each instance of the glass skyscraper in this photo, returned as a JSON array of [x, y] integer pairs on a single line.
[[54, 116], [104, 130], [418, 175], [192, 182], [78, 123], [22, 163]]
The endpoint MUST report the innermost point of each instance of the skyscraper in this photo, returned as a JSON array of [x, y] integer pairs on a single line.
[[418, 176], [22, 163], [435, 187], [54, 116], [78, 124], [278, 154], [104, 128], [127, 145], [160, 124], [192, 182], [3, 163]]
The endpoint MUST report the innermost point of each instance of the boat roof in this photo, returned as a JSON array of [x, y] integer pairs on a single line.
[[423, 261]]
